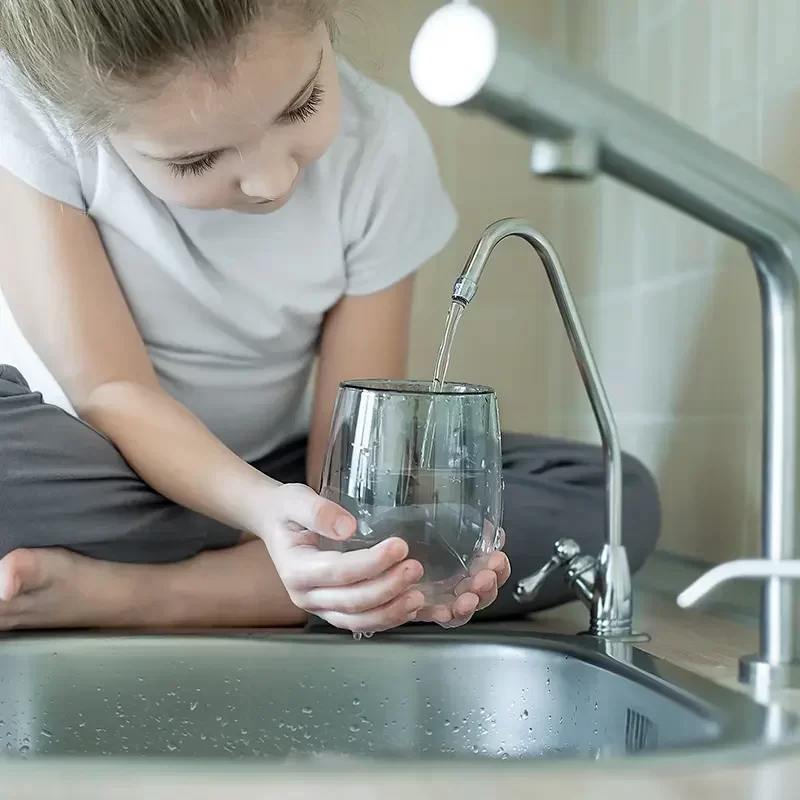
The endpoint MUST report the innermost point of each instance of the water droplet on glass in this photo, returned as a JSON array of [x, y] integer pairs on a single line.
[[25, 749], [47, 734], [524, 714], [357, 635], [356, 701], [354, 729], [308, 711], [193, 705]]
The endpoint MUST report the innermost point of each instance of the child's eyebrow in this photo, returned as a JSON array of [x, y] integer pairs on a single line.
[[214, 150]]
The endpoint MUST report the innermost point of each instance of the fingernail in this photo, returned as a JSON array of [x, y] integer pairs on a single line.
[[343, 526], [412, 571]]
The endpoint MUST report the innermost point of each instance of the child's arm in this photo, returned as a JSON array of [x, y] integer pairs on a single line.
[[364, 336], [65, 298], [64, 295]]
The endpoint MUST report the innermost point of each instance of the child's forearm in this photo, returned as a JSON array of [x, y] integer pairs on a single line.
[[172, 451]]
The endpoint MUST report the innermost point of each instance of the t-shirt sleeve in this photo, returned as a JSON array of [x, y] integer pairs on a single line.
[[402, 215], [33, 148]]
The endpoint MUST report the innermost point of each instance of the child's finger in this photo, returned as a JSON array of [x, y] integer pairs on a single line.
[[366, 595], [441, 614], [302, 506], [314, 569], [399, 611], [501, 566]]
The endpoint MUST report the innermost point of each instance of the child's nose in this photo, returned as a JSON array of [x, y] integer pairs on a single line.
[[272, 182]]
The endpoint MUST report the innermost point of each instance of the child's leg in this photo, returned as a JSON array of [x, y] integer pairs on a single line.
[[63, 484], [556, 489]]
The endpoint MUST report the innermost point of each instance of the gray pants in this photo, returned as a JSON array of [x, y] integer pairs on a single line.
[[63, 484]]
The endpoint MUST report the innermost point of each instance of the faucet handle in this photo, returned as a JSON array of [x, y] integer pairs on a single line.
[[565, 550], [742, 568]]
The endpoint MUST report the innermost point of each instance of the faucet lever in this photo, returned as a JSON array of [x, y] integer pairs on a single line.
[[564, 551], [772, 668], [751, 568]]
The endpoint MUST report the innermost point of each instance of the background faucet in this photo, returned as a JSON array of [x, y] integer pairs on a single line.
[[581, 126]]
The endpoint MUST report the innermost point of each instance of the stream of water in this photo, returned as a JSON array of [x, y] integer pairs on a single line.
[[454, 315]]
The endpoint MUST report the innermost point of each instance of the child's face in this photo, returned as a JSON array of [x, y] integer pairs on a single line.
[[240, 144]]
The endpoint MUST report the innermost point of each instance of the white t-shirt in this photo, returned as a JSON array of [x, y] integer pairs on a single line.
[[230, 305]]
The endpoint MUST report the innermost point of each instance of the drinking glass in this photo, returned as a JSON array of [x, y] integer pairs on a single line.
[[420, 464]]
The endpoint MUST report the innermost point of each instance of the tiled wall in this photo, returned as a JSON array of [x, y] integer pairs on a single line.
[[671, 308]]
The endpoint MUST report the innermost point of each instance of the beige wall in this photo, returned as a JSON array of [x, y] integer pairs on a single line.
[[672, 309]]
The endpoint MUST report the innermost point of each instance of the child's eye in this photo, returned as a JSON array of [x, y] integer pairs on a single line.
[[182, 169], [307, 110]]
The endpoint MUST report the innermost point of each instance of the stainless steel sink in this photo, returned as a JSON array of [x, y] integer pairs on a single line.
[[474, 695]]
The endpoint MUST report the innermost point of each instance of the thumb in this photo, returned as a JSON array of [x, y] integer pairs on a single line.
[[304, 507]]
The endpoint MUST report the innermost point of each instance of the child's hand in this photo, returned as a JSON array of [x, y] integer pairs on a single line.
[[363, 590], [479, 590]]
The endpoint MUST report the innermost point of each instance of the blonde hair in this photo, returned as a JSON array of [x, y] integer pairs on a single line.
[[91, 58]]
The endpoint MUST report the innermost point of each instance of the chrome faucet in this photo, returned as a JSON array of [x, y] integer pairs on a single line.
[[582, 126], [604, 583]]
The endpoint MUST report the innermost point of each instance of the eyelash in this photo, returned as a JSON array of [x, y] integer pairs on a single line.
[[293, 117], [307, 110], [183, 169]]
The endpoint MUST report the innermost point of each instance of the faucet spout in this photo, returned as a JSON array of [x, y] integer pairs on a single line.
[[611, 607]]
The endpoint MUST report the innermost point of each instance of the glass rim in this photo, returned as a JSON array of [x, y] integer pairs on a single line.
[[419, 388]]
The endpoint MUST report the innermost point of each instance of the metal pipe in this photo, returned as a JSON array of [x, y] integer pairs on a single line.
[[498, 74]]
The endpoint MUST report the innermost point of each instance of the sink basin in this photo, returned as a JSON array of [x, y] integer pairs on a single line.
[[475, 695]]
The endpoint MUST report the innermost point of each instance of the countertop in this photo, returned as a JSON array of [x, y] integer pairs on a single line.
[[698, 641]]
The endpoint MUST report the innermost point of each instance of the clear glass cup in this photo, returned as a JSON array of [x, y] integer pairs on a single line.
[[421, 465]]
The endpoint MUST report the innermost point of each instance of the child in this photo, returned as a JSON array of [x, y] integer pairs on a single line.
[[197, 197]]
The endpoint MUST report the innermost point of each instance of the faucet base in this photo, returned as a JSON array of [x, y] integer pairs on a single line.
[[763, 676], [623, 638]]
